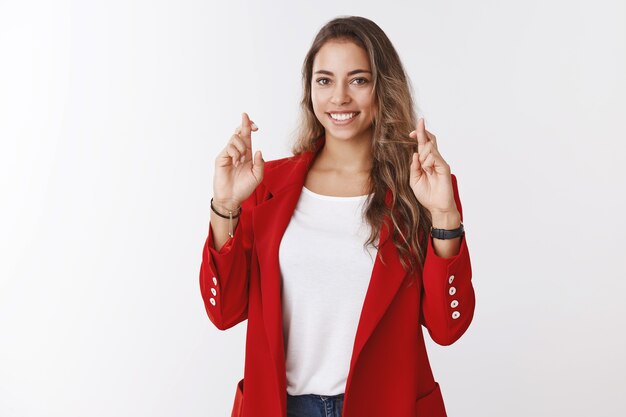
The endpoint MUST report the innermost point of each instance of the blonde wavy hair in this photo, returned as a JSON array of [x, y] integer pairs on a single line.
[[391, 145]]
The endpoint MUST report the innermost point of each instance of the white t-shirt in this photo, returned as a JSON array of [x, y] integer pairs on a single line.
[[325, 275]]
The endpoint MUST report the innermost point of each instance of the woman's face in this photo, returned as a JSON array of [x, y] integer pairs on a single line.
[[342, 87]]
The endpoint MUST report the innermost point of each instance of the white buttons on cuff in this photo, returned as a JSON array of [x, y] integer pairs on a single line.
[[452, 291], [214, 281], [213, 291], [454, 303], [450, 279], [212, 300], [455, 314]]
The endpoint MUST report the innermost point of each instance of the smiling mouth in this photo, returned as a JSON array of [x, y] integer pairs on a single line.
[[340, 117]]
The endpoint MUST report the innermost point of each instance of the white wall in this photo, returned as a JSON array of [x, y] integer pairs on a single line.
[[111, 116]]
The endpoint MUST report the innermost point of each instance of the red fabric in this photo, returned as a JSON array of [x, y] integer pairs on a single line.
[[238, 403], [390, 374]]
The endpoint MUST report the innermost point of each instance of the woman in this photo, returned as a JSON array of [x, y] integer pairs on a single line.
[[339, 254]]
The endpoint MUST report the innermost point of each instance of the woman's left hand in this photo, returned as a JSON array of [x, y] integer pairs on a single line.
[[430, 177]]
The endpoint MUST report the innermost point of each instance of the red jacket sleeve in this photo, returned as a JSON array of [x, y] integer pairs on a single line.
[[225, 274], [447, 298]]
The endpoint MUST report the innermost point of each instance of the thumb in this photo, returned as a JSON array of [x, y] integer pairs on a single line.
[[258, 164]]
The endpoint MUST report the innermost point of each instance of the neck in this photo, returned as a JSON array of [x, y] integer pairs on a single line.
[[346, 156]]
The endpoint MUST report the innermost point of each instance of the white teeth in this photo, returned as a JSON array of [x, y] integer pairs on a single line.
[[342, 116]]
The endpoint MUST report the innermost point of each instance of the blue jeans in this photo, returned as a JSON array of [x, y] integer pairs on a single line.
[[313, 405]]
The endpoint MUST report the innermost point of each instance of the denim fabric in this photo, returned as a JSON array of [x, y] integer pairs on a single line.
[[313, 405]]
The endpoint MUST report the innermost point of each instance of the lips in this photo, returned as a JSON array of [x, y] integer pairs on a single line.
[[342, 115]]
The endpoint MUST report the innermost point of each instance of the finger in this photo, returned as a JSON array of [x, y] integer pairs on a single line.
[[429, 135], [429, 163], [435, 160], [424, 151], [432, 138], [238, 142], [416, 168], [253, 126], [420, 134], [246, 153], [258, 164], [245, 130], [228, 150], [415, 161], [434, 156], [234, 153]]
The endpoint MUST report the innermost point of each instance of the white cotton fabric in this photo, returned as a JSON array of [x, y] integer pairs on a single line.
[[325, 275]]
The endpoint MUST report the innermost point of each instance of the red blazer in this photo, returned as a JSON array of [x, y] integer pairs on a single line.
[[389, 374]]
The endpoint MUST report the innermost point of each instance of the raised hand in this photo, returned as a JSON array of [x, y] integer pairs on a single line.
[[431, 178], [237, 171]]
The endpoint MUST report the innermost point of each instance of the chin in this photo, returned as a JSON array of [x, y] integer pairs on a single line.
[[344, 136]]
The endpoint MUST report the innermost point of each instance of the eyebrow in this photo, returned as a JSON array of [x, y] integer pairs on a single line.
[[356, 71]]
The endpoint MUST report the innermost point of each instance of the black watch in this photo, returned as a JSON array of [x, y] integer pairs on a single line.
[[447, 234]]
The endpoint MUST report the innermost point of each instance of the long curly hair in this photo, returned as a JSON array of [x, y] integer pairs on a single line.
[[391, 145]]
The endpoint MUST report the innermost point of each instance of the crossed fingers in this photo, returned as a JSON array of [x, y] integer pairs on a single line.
[[240, 145], [426, 146]]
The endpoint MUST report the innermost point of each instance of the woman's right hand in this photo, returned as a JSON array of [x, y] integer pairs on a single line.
[[237, 171]]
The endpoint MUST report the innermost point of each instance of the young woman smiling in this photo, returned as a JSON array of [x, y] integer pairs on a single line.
[[339, 254]]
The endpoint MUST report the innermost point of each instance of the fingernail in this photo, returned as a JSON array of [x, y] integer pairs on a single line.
[[242, 159], [254, 126]]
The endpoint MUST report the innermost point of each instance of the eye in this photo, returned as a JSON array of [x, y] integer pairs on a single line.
[[365, 81], [321, 79]]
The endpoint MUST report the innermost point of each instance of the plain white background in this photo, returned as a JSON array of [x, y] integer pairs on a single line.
[[112, 114]]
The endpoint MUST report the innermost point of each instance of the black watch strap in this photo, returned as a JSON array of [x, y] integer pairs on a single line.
[[447, 234]]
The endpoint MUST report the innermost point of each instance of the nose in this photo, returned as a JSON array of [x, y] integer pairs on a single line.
[[340, 95]]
